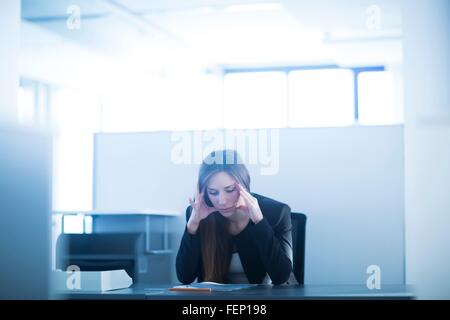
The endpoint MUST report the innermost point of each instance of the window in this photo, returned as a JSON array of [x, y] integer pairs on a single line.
[[323, 97], [33, 103], [273, 97], [376, 98], [73, 223], [191, 102], [175, 101], [255, 100], [75, 118], [77, 223], [25, 106], [134, 106]]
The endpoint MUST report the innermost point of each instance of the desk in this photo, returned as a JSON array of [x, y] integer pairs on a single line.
[[260, 292]]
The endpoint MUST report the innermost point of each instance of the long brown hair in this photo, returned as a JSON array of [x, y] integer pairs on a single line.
[[216, 242]]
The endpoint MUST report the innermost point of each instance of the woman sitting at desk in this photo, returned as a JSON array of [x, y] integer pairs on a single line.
[[232, 235]]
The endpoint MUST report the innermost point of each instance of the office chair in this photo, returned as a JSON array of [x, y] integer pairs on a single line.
[[298, 245]]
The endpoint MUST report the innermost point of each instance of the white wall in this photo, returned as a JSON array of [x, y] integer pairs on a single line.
[[9, 58], [349, 181], [426, 29]]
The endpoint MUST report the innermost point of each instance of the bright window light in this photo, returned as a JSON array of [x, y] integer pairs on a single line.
[[132, 106], [254, 7], [73, 223], [88, 224], [255, 100], [321, 98], [26, 106], [76, 119], [376, 98], [191, 102], [174, 102]]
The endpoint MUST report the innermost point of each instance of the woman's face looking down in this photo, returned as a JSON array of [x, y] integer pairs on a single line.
[[223, 193]]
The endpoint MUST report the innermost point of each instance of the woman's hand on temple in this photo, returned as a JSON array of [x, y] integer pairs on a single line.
[[249, 204], [200, 210]]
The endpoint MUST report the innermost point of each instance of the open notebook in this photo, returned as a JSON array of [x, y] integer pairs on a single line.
[[211, 286]]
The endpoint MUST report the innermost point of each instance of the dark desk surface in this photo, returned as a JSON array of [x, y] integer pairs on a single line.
[[260, 292]]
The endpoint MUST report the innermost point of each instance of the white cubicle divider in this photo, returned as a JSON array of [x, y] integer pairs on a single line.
[[349, 181]]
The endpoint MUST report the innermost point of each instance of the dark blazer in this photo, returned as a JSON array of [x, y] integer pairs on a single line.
[[265, 247]]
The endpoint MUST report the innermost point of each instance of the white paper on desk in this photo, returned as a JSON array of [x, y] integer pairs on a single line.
[[214, 286], [91, 280]]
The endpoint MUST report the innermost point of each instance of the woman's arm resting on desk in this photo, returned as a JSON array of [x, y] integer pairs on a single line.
[[275, 246]]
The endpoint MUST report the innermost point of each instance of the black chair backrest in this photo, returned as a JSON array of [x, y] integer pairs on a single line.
[[298, 245]]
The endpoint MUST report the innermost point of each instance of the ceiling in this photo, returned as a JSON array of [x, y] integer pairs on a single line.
[[228, 32]]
